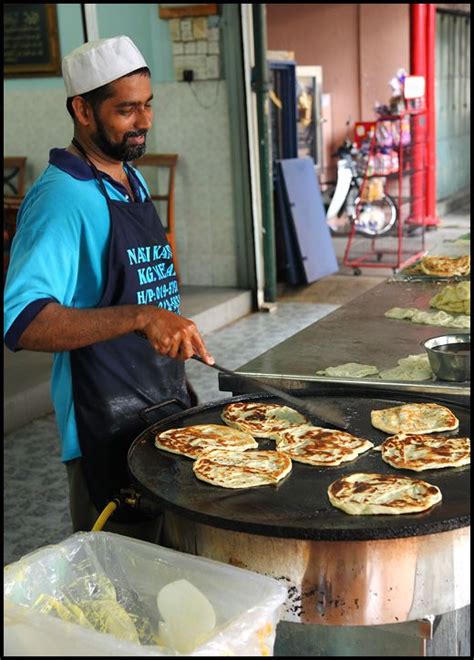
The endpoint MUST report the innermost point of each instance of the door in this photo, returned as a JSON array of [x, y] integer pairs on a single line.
[[453, 136], [283, 110]]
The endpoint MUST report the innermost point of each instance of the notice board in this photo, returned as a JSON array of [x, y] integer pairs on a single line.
[[306, 210], [30, 40]]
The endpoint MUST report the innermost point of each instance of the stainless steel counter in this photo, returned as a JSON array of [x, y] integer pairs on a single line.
[[356, 332]]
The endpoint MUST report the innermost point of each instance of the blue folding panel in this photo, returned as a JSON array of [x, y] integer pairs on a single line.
[[306, 209], [289, 267]]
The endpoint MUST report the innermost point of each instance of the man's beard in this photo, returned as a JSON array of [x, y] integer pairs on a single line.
[[119, 151]]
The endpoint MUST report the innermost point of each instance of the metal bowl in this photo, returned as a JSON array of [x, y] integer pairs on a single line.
[[450, 356]]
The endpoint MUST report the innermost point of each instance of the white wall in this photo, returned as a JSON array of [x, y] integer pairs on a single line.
[[36, 120], [206, 242]]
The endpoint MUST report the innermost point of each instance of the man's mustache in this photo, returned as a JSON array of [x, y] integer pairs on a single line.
[[135, 134]]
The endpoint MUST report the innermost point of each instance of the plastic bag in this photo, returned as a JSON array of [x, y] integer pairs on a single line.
[[96, 594]]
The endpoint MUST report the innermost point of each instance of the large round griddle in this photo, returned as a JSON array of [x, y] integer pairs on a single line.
[[298, 507]]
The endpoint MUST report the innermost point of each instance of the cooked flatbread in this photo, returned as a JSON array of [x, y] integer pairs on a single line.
[[262, 420], [414, 418], [454, 298], [232, 469], [319, 446], [441, 266], [413, 270], [425, 452], [349, 370], [413, 367], [400, 313], [440, 318], [192, 440], [367, 493]]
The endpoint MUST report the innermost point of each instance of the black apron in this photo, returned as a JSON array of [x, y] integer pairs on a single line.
[[113, 380]]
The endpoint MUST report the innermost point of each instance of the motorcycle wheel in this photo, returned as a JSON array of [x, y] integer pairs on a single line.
[[341, 223], [375, 218]]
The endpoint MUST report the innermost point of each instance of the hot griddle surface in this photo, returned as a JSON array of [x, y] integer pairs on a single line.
[[298, 507]]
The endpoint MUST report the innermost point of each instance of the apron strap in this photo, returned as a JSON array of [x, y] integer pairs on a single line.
[[94, 169], [98, 176], [128, 171]]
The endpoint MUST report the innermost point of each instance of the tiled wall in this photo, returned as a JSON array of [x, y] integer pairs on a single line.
[[190, 120], [196, 46]]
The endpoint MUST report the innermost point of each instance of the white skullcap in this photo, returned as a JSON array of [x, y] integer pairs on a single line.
[[97, 63]]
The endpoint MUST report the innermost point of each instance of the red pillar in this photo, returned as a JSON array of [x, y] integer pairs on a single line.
[[422, 63], [417, 39], [417, 68], [431, 217]]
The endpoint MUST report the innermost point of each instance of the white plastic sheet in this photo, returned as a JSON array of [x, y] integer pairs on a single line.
[[95, 594]]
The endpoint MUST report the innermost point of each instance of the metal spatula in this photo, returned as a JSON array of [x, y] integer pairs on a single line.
[[329, 417]]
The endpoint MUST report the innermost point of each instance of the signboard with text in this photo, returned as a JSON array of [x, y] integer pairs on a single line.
[[30, 40]]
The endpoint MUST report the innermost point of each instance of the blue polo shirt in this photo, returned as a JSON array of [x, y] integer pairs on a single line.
[[59, 253]]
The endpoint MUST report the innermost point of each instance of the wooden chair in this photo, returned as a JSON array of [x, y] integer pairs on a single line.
[[163, 162], [14, 170]]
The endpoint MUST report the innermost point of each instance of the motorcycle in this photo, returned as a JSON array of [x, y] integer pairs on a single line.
[[344, 204]]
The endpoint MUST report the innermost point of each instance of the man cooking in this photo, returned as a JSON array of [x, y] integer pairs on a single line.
[[91, 279]]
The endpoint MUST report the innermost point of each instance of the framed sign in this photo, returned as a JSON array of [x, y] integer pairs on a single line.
[[178, 10], [30, 40]]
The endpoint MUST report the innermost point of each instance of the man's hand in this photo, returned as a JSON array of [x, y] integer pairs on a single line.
[[57, 328], [172, 335]]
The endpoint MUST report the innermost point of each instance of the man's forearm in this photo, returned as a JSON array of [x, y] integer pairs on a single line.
[[57, 328]]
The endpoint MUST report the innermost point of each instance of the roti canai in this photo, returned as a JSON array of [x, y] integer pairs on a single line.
[[413, 367], [232, 469], [192, 440], [262, 420], [319, 446], [365, 493], [453, 298], [425, 452], [441, 266], [349, 370], [414, 418], [430, 317]]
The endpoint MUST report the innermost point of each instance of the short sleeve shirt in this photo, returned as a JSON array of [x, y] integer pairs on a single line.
[[59, 254]]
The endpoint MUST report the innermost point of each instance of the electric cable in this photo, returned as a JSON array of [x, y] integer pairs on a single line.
[[206, 107]]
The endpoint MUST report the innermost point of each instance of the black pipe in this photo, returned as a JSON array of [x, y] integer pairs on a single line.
[[84, 23]]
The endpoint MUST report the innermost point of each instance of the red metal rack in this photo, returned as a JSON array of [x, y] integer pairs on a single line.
[[403, 136]]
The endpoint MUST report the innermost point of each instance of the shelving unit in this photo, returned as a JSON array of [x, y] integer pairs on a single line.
[[398, 155]]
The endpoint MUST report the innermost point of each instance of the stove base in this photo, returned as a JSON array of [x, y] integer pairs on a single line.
[[343, 583], [445, 635]]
